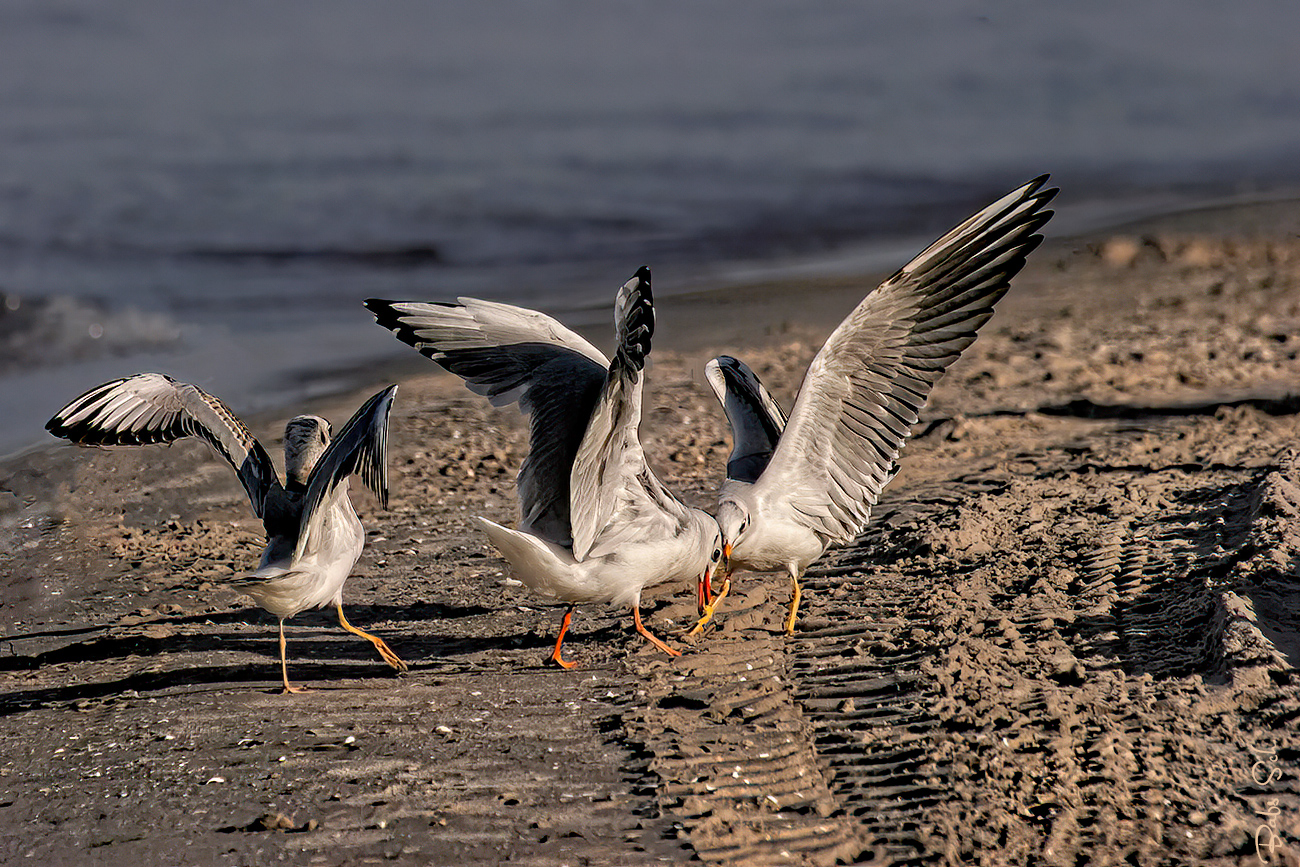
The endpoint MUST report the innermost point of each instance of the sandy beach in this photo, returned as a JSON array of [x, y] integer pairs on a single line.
[[1069, 635]]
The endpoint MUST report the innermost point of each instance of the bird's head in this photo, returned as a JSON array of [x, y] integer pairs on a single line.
[[715, 556], [733, 521], [305, 439]]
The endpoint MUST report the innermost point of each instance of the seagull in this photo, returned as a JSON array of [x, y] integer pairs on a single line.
[[313, 535], [595, 525], [795, 487]]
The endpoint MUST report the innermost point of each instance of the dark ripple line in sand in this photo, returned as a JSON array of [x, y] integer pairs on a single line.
[[1275, 402], [857, 676]]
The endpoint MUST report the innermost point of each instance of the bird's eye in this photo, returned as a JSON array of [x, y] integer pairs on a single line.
[[716, 553]]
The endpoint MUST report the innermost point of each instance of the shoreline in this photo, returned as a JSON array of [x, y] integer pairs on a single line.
[[1053, 617], [696, 313]]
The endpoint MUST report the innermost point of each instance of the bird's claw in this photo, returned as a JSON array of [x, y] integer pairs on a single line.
[[711, 606], [391, 658]]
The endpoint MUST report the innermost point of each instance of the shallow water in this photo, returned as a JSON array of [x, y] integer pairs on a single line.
[[225, 183]]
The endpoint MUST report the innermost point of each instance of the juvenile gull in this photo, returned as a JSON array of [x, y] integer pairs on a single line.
[[795, 488], [595, 525], [313, 534]]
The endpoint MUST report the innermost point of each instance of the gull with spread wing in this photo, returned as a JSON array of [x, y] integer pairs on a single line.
[[313, 534], [796, 487], [595, 524]]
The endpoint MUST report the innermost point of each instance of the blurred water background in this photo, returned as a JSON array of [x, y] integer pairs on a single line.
[[211, 189]]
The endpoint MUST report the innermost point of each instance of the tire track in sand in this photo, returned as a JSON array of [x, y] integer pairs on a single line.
[[1034, 661], [732, 749]]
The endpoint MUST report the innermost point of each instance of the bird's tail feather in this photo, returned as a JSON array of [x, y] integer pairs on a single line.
[[534, 561]]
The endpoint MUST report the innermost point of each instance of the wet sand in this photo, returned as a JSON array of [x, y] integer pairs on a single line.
[[1069, 635]]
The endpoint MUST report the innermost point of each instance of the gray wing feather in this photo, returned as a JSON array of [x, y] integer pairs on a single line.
[[154, 408], [438, 329], [511, 354], [867, 384], [756, 418], [360, 448], [615, 495]]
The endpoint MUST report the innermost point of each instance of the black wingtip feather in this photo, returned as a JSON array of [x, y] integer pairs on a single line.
[[1034, 188], [636, 320], [387, 316], [88, 433], [384, 313]]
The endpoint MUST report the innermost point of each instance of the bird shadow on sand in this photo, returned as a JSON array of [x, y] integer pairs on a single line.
[[171, 634], [260, 677], [319, 650]]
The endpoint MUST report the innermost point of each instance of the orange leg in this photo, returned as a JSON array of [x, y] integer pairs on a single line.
[[794, 602], [640, 627], [284, 666], [384, 651], [564, 627]]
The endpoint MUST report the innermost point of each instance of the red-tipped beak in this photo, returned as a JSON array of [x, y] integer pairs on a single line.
[[704, 589], [726, 552]]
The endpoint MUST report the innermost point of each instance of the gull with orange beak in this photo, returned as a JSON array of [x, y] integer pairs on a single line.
[[313, 535], [796, 487], [595, 524]]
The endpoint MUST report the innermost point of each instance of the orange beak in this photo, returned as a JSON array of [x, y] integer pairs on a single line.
[[704, 589]]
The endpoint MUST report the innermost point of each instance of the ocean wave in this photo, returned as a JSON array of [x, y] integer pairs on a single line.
[[45, 332]]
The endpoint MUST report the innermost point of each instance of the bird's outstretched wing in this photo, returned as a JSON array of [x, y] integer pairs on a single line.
[[756, 418], [361, 448], [615, 496], [867, 384], [154, 408], [511, 354]]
